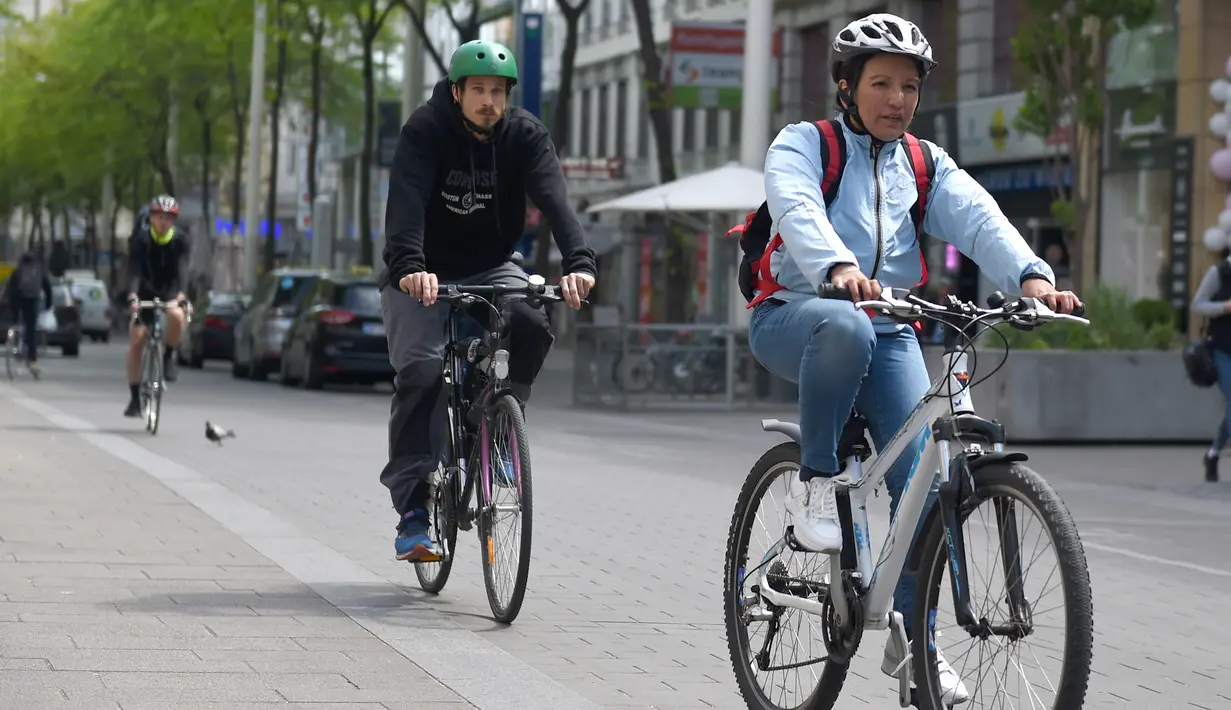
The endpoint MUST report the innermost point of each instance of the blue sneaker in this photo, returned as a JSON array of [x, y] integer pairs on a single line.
[[413, 542]]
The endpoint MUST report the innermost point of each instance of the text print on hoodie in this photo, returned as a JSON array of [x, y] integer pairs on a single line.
[[457, 205]]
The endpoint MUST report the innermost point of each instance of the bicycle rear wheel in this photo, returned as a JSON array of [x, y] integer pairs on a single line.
[[763, 669], [1003, 601], [506, 505], [433, 575]]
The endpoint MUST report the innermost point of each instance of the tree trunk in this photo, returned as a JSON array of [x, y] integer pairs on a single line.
[[365, 155], [275, 133], [678, 286], [561, 124], [115, 245], [315, 121]]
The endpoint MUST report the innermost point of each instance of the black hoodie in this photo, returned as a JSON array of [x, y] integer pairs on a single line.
[[457, 205]]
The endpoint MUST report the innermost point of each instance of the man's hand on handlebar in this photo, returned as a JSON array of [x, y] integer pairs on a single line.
[[1059, 301], [132, 303], [575, 287], [420, 285], [850, 278]]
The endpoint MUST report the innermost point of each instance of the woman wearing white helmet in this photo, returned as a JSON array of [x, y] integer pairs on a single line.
[[863, 238]]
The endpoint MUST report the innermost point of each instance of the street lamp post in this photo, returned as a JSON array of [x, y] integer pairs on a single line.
[[758, 72], [256, 108]]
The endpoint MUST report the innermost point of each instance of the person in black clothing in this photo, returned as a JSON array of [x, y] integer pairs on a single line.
[[27, 282], [157, 268], [1212, 300], [462, 169]]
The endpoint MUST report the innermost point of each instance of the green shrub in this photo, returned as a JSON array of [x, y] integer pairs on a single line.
[[1116, 323]]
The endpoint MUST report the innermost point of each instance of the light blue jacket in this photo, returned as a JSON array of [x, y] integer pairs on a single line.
[[873, 202]]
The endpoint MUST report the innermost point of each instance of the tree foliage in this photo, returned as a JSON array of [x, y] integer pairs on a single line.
[[1063, 47]]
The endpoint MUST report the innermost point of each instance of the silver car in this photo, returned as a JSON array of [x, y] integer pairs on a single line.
[[261, 329]]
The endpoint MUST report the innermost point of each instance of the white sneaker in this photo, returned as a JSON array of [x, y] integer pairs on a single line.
[[952, 689], [814, 514]]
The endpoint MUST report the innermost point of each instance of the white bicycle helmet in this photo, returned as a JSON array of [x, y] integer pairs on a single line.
[[881, 32]]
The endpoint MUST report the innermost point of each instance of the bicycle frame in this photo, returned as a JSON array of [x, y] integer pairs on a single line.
[[455, 381], [948, 394]]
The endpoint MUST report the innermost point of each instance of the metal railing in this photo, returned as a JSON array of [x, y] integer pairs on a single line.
[[668, 365]]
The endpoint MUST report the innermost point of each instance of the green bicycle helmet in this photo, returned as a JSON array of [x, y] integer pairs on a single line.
[[482, 58]]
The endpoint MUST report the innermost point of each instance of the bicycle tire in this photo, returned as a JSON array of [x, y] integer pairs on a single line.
[[507, 405], [1029, 487], [10, 353], [155, 384], [763, 473], [443, 513]]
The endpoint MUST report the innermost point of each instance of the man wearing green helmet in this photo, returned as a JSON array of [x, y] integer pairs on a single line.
[[463, 167]]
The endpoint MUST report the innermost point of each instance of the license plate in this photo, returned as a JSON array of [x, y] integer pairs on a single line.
[[374, 328]]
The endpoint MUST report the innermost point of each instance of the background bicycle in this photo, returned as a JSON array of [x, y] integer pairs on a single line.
[[153, 377]]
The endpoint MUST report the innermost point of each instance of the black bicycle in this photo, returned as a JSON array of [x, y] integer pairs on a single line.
[[486, 421]]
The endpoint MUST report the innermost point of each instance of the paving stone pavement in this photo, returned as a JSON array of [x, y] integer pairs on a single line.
[[624, 605], [117, 593]]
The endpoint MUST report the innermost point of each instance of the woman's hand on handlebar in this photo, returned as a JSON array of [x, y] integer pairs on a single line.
[[420, 285], [849, 277], [1058, 301]]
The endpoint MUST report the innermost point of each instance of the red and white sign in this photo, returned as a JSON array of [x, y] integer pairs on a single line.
[[710, 55]]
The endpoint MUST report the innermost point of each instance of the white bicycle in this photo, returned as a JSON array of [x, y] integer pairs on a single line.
[[787, 590]]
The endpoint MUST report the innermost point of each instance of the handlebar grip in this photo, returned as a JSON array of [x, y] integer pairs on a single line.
[[834, 293], [1080, 310]]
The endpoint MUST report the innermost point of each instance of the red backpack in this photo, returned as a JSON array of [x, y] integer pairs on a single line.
[[754, 233]]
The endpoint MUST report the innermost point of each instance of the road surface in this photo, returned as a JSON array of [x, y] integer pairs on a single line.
[[624, 604]]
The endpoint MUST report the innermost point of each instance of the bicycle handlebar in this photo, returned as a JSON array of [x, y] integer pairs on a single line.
[[900, 303], [453, 292]]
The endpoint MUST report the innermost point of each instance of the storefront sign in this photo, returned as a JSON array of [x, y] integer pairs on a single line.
[[1140, 123], [707, 65], [939, 126], [1031, 176], [1181, 225], [987, 133]]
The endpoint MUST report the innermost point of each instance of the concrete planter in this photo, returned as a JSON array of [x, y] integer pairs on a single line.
[[1094, 396]]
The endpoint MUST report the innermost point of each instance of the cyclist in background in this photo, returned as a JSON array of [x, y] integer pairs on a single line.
[[27, 282], [462, 170], [839, 357], [157, 268]]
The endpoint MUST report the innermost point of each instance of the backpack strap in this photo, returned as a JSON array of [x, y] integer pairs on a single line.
[[924, 167], [833, 157]]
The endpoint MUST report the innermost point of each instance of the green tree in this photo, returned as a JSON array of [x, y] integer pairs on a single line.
[[1063, 46]]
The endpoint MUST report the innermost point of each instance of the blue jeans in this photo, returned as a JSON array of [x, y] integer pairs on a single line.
[[830, 350], [1222, 363]]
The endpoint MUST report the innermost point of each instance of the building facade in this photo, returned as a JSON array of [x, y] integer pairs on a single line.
[[968, 107]]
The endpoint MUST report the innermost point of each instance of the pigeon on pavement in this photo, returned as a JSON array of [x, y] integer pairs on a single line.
[[216, 433]]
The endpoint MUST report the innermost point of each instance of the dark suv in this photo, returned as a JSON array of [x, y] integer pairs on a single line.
[[337, 335]]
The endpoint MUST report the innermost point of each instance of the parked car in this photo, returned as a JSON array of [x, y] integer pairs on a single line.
[[95, 309], [211, 334], [337, 336], [262, 328], [66, 333]]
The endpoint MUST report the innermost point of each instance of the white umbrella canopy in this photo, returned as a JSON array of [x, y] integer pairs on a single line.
[[731, 188]]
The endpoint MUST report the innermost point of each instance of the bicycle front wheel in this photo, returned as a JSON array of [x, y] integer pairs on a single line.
[[152, 388], [11, 353], [1020, 603], [506, 505]]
